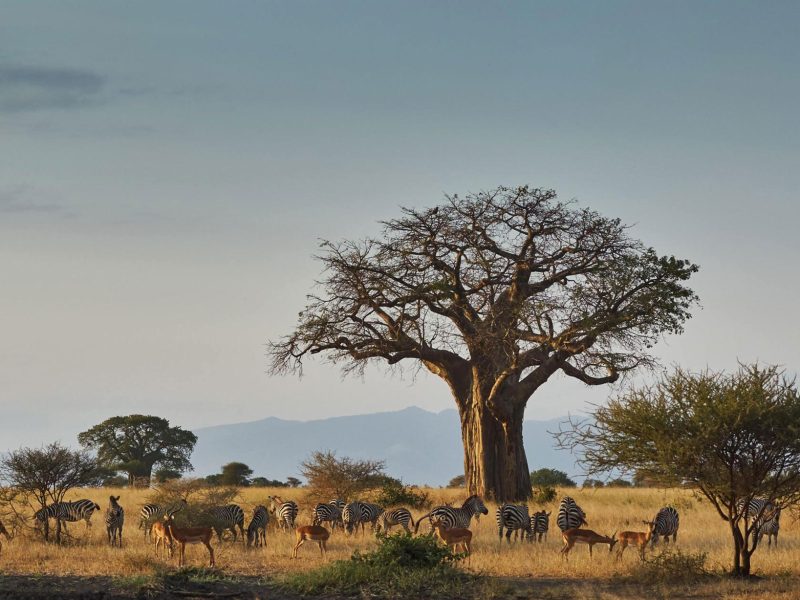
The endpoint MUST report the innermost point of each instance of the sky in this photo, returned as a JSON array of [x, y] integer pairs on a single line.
[[168, 169]]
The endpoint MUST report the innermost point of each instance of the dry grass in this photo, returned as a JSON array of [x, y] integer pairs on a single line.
[[538, 565]]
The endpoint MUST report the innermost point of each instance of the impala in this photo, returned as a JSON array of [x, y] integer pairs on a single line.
[[637, 539], [159, 533], [453, 537], [311, 532], [190, 535], [5, 533], [585, 536]]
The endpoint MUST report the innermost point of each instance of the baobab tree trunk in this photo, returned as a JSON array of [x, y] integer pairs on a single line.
[[495, 466]]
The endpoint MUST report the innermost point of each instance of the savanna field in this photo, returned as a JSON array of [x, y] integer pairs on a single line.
[[519, 570]]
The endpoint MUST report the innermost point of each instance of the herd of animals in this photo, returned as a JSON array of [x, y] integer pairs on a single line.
[[450, 524]]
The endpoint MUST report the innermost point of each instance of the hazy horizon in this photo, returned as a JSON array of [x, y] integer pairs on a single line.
[[167, 172]]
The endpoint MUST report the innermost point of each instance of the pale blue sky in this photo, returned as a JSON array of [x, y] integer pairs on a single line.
[[167, 168]]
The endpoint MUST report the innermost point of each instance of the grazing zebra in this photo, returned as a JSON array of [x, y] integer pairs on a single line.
[[513, 517], [227, 517], [257, 529], [154, 512], [370, 514], [326, 513], [115, 519], [351, 516], [570, 515], [68, 511], [285, 512], [396, 516], [766, 516], [540, 523], [665, 524], [455, 517], [338, 503]]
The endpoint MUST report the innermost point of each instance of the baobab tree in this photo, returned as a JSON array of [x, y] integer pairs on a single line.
[[494, 293]]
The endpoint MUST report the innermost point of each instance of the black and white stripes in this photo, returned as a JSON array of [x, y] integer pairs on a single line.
[[228, 517], [513, 518], [115, 519], [395, 516], [285, 512], [68, 511], [450, 517], [766, 518], [153, 512], [540, 523], [257, 528], [570, 515], [665, 524]]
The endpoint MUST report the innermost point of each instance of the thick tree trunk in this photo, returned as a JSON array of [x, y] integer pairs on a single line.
[[495, 466]]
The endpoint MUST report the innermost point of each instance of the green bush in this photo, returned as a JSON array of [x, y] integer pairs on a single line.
[[544, 494], [403, 550], [672, 567], [394, 493]]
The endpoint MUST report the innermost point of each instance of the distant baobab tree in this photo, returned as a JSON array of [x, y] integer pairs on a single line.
[[494, 293]]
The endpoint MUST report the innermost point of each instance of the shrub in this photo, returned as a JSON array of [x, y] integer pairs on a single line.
[[672, 567], [544, 495], [394, 493]]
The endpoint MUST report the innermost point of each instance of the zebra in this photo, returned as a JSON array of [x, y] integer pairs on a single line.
[[329, 513], [351, 516], [395, 516], [68, 511], [665, 524], [540, 523], [227, 517], [766, 519], [513, 517], [450, 517], [339, 504], [285, 512], [115, 519], [257, 528], [153, 512], [370, 514], [570, 515]]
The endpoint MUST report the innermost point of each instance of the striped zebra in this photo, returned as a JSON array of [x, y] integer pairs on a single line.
[[115, 519], [351, 516], [68, 512], [450, 517], [665, 524], [514, 518], [766, 519], [154, 512], [395, 516], [257, 528], [540, 523], [338, 503], [370, 514], [227, 517], [326, 513], [285, 512], [570, 515]]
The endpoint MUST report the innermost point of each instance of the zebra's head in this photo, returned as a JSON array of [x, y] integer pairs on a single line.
[[475, 505]]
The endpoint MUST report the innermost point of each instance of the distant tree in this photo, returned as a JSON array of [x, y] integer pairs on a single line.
[[163, 475], [214, 479], [293, 482], [593, 483], [734, 437], [114, 481], [44, 476], [344, 477], [457, 482], [264, 482], [494, 293], [619, 482], [551, 478], [236, 474], [137, 443]]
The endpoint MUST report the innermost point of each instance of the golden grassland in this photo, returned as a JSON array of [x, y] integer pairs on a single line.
[[87, 552]]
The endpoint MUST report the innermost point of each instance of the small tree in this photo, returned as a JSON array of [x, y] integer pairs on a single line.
[[235, 473], [457, 482], [332, 477], [293, 482], [593, 483], [137, 443], [733, 437], [164, 475], [43, 476], [551, 478]]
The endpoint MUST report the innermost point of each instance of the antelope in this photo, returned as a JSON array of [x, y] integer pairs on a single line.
[[5, 533], [159, 533], [453, 537], [635, 538], [585, 536], [311, 532], [190, 535]]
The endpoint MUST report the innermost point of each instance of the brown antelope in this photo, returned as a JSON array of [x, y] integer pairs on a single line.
[[159, 533], [5, 533], [453, 537], [311, 532], [585, 536], [636, 539], [190, 535]]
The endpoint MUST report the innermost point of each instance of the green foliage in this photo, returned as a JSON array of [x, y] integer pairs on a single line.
[[162, 475], [544, 495], [551, 478], [593, 483], [332, 477], [459, 481], [235, 473], [671, 566], [404, 550], [619, 482], [198, 496], [293, 482], [136, 443], [394, 493], [264, 482]]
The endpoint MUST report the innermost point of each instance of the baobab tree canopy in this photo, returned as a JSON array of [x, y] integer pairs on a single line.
[[494, 293]]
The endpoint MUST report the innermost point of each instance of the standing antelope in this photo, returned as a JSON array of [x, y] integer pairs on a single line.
[[453, 536], [150, 513], [585, 536], [159, 533], [5, 533], [314, 533], [636, 539], [115, 519], [190, 535]]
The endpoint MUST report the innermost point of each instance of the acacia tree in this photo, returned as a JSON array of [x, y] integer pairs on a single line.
[[136, 443], [733, 437], [332, 477], [494, 293]]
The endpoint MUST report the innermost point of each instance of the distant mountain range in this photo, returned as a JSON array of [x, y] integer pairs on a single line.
[[418, 446]]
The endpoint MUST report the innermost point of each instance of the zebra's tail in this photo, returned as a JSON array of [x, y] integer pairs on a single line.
[[419, 520]]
